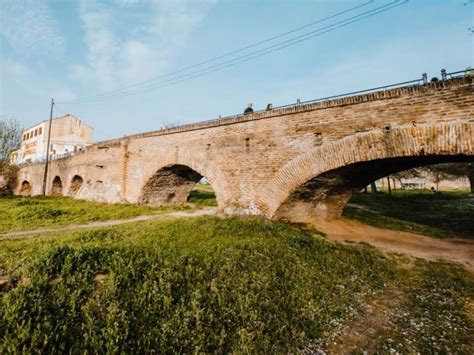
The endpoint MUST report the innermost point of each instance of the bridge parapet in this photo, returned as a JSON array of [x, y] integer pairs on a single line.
[[312, 105]]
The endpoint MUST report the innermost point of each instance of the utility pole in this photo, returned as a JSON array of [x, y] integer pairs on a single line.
[[45, 177]]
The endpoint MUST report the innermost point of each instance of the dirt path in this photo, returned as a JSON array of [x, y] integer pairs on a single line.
[[367, 331], [344, 230], [455, 250], [115, 222]]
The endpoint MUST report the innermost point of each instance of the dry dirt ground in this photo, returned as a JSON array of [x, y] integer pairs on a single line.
[[372, 326], [460, 251]]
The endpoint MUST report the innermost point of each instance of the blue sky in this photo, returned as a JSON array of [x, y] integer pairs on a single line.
[[73, 49]]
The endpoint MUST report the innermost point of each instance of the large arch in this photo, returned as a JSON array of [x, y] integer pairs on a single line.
[[25, 188], [185, 168], [170, 185], [76, 184], [57, 187], [317, 185]]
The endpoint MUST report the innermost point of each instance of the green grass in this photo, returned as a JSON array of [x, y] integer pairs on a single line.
[[20, 213], [224, 285], [443, 214], [216, 285], [202, 196], [198, 285]]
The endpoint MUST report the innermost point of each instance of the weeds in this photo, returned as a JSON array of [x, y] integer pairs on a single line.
[[435, 318], [205, 285]]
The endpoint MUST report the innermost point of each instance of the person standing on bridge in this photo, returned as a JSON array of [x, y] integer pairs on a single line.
[[249, 109]]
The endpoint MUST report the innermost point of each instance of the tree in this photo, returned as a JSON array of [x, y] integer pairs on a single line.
[[373, 187], [10, 139], [470, 174], [168, 125], [407, 174], [450, 171]]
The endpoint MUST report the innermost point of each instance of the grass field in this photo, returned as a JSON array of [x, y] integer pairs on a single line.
[[26, 213], [213, 285], [227, 285], [442, 214], [202, 196], [204, 284]]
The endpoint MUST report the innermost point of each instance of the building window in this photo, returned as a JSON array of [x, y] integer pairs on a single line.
[[36, 132], [28, 136], [40, 130]]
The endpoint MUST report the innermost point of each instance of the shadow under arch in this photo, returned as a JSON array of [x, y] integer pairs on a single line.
[[200, 164], [170, 185], [57, 187], [325, 196], [25, 188], [318, 184], [76, 183]]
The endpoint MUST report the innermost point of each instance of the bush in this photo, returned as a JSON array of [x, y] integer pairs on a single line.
[[8, 174]]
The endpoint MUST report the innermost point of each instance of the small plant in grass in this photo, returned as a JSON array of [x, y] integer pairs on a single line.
[[435, 317]]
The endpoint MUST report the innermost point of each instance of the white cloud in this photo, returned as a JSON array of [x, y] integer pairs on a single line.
[[120, 55], [174, 19], [100, 40], [13, 68], [28, 26]]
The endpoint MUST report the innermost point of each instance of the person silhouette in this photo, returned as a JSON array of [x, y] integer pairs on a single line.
[[249, 109]]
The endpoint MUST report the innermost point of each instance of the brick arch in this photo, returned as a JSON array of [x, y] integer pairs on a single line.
[[197, 163], [409, 141], [57, 186], [75, 183], [25, 188]]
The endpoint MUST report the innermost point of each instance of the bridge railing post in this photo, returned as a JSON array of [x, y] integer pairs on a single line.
[[424, 77], [443, 74]]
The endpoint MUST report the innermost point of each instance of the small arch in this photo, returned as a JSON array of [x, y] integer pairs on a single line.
[[25, 189], [76, 183], [57, 187], [170, 185]]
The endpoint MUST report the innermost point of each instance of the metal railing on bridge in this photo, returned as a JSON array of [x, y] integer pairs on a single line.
[[421, 81]]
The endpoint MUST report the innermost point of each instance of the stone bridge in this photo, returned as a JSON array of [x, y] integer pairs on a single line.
[[300, 163]]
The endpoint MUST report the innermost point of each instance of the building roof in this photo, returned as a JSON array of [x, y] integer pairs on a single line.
[[58, 118]]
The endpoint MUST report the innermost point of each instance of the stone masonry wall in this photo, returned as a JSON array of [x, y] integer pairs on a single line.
[[254, 162]]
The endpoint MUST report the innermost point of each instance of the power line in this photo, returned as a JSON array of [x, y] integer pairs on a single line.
[[263, 51], [229, 53], [255, 54], [248, 56]]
